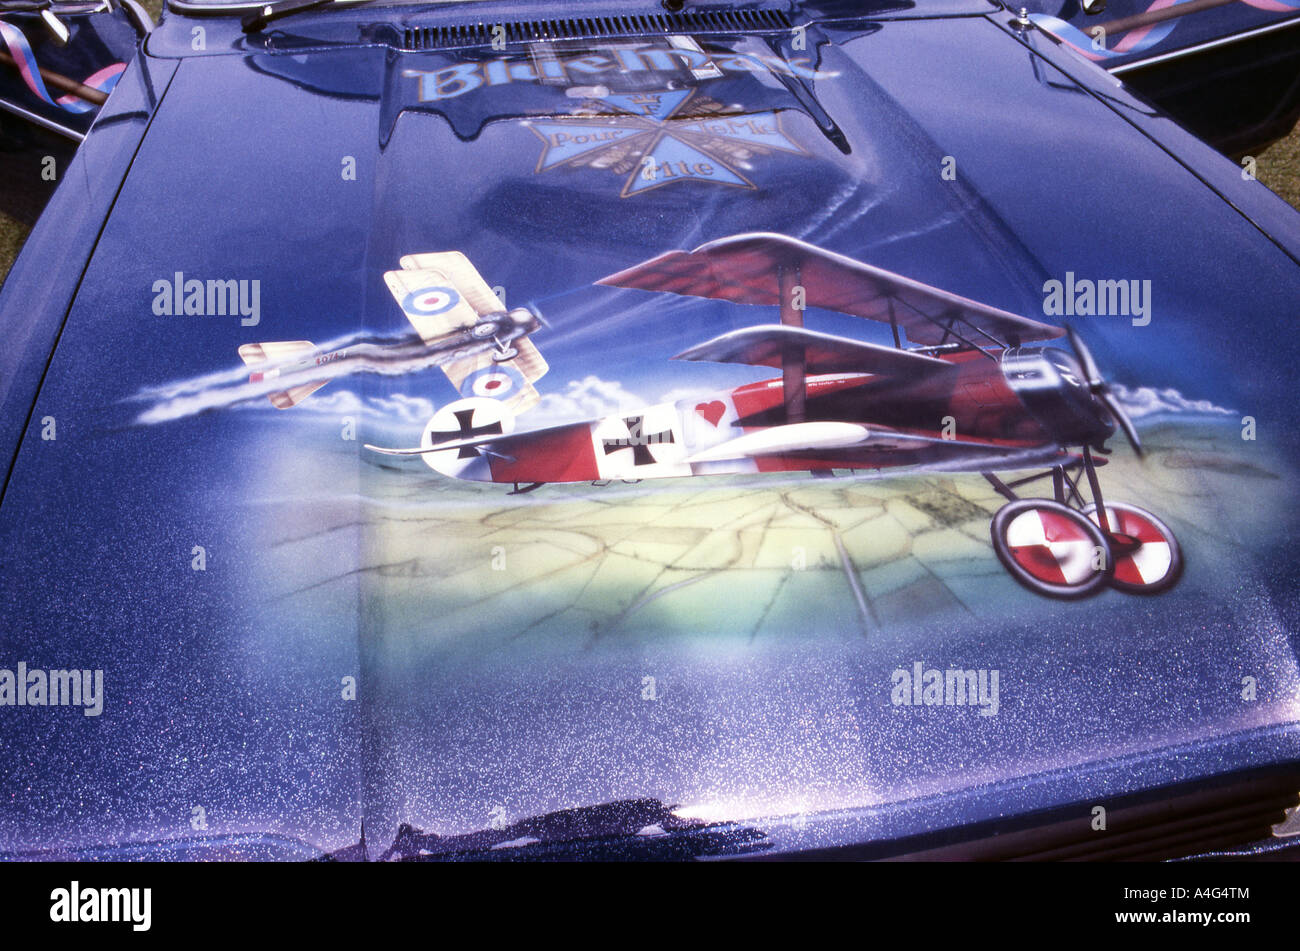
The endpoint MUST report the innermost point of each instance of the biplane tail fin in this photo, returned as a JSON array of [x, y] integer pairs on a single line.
[[285, 399], [274, 353]]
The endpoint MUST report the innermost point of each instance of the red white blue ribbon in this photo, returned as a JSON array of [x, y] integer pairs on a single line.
[[103, 80], [1141, 39]]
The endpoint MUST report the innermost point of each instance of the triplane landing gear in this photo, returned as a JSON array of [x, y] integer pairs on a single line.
[[1067, 547]]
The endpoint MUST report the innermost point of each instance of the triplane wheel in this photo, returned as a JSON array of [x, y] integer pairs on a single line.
[[1051, 548], [1146, 553]]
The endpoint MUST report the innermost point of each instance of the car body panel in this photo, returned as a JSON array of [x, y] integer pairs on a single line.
[[642, 640]]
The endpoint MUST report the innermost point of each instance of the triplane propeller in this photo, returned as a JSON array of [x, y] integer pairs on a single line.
[[842, 403]]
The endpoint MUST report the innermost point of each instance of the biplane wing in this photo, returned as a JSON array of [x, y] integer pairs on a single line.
[[462, 275], [747, 269], [769, 346], [510, 381], [441, 293]]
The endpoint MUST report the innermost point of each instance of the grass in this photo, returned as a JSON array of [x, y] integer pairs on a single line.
[[1279, 168], [12, 236]]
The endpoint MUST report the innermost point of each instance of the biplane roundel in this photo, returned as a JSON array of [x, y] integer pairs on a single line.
[[495, 382], [429, 301]]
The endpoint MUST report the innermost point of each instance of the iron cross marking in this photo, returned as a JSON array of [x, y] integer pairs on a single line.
[[638, 443], [656, 138], [467, 430]]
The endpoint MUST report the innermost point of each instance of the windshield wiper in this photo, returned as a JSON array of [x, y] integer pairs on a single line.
[[284, 8]]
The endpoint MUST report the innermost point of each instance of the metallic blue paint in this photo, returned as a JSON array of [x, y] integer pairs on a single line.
[[223, 689]]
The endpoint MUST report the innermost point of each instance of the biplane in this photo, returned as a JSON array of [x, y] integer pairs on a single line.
[[977, 391], [454, 311]]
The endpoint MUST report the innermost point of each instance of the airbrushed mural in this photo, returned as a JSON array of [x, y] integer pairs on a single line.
[[962, 389], [949, 403]]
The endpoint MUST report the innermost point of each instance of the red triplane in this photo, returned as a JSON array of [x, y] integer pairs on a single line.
[[969, 397]]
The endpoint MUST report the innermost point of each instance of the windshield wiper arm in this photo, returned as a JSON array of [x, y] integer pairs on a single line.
[[279, 9]]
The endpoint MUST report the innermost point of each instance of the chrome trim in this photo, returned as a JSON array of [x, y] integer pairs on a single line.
[[58, 30], [191, 9], [212, 9], [42, 121], [59, 7], [1207, 45], [139, 17]]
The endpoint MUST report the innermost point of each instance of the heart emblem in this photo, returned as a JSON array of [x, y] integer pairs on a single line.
[[712, 411]]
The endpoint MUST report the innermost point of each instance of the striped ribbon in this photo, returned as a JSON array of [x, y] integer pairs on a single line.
[[104, 80], [1142, 38]]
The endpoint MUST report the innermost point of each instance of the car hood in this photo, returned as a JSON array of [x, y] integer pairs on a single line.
[[298, 635]]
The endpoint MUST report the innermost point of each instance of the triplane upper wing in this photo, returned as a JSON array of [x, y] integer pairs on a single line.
[[747, 269]]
